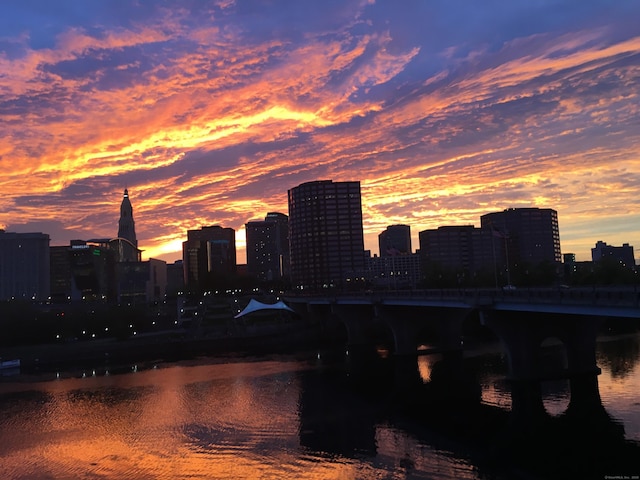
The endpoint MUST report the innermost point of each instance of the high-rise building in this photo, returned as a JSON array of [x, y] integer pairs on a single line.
[[268, 247], [570, 266], [24, 266], [175, 278], [395, 271], [532, 234], [140, 282], [208, 253], [448, 247], [395, 240], [326, 236], [61, 273], [126, 225], [93, 267], [462, 255], [622, 255]]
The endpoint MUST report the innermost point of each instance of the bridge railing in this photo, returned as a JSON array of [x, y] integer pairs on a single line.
[[599, 296]]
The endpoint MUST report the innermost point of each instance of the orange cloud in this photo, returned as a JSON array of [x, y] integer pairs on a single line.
[[208, 125]]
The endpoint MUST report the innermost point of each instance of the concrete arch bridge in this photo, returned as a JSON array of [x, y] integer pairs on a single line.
[[521, 319]]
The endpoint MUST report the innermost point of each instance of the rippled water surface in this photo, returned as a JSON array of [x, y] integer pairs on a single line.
[[268, 418], [233, 420]]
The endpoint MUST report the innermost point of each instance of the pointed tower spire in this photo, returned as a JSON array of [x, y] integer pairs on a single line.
[[126, 225]]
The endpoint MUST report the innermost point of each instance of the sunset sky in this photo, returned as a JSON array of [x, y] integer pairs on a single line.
[[209, 111]]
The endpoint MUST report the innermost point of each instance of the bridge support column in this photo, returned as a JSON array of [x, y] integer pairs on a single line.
[[522, 334], [580, 343], [521, 338], [362, 357], [358, 320], [527, 410], [585, 395]]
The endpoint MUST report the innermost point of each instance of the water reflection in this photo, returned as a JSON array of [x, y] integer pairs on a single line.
[[442, 415], [555, 396], [425, 365], [333, 420], [620, 354], [558, 420]]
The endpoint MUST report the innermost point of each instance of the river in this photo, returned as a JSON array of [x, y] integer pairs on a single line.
[[310, 415]]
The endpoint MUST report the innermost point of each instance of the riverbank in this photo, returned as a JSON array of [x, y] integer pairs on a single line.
[[168, 345]]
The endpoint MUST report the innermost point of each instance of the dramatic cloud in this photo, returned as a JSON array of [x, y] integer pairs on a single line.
[[209, 111]]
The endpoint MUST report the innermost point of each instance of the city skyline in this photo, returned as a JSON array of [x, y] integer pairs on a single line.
[[210, 112]]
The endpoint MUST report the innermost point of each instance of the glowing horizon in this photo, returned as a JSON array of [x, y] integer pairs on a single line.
[[209, 113]]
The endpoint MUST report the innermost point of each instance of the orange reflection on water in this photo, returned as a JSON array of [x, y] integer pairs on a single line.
[[229, 421], [426, 363], [417, 460], [619, 382]]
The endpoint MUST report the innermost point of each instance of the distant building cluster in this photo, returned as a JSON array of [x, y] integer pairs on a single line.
[[319, 245], [108, 269]]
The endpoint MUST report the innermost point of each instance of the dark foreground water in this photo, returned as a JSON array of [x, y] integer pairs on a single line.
[[316, 416]]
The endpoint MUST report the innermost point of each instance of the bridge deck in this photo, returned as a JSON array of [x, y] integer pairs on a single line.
[[622, 302]]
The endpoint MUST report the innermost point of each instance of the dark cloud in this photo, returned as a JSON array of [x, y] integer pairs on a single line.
[[115, 67], [292, 20]]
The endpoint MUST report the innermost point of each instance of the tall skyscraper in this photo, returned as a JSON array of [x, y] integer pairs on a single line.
[[126, 225], [125, 246], [326, 237], [395, 240], [208, 253], [268, 247], [532, 234]]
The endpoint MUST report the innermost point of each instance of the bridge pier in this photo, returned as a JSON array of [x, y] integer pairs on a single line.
[[522, 337], [527, 410], [359, 321], [585, 397]]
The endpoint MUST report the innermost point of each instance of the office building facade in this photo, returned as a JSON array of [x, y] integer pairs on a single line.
[[622, 255], [529, 241], [395, 240], [326, 236], [24, 266], [208, 254], [93, 270], [394, 272], [532, 234], [175, 278], [460, 255], [61, 274], [268, 247], [448, 247], [141, 282]]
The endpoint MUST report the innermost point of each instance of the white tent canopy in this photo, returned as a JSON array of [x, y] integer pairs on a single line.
[[255, 305]]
